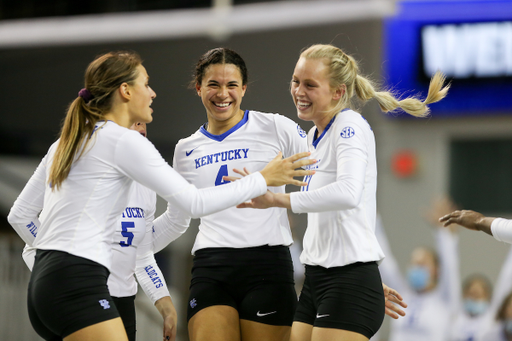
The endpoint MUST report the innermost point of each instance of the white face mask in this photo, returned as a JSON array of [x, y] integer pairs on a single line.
[[418, 277], [475, 307]]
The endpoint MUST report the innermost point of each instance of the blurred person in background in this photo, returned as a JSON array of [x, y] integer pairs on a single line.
[[492, 323], [476, 301], [431, 286], [499, 328]]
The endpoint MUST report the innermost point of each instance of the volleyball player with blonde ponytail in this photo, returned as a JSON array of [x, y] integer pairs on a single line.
[[343, 296], [83, 185]]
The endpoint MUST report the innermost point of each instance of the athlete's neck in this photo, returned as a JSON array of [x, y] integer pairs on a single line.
[[216, 127]]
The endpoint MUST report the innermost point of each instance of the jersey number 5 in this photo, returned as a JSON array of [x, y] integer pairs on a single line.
[[125, 225]]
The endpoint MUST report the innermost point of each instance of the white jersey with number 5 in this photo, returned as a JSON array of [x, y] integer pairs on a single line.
[[132, 251], [203, 159]]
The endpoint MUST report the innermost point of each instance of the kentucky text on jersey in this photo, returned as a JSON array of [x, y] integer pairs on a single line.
[[233, 154], [154, 276], [133, 212]]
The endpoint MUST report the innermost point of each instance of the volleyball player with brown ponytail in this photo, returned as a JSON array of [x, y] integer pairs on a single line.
[[342, 297], [87, 176]]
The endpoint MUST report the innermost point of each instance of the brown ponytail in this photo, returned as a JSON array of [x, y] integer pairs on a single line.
[[102, 78]]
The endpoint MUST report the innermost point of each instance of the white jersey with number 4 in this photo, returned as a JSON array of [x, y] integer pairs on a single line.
[[203, 159]]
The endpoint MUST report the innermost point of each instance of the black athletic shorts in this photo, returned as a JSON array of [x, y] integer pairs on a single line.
[[126, 308], [67, 293], [256, 281], [348, 297]]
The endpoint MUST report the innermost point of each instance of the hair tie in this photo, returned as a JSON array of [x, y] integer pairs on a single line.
[[86, 95]]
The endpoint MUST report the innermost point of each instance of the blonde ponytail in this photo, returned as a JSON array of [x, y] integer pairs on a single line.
[[343, 70]]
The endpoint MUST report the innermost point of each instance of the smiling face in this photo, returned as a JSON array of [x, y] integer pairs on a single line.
[[221, 91], [141, 97], [311, 91]]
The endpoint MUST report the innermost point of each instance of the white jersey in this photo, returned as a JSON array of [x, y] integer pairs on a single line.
[[132, 252], [502, 230], [495, 331], [341, 196], [81, 216], [467, 328], [203, 159], [132, 244], [429, 315]]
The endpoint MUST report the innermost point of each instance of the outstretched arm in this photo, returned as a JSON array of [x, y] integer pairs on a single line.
[[469, 219], [153, 172]]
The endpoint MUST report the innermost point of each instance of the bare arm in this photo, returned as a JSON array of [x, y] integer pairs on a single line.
[[168, 312], [469, 219]]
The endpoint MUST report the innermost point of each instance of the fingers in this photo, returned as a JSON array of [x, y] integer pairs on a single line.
[[299, 183], [230, 178], [304, 162], [302, 172], [454, 214], [392, 293], [279, 156], [394, 301], [245, 205], [244, 172], [393, 311], [295, 157], [449, 219], [391, 314]]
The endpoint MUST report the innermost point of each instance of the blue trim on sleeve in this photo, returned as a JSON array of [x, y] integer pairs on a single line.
[[221, 137], [317, 140]]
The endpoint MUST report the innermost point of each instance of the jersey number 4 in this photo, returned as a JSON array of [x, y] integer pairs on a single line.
[[125, 225], [223, 171]]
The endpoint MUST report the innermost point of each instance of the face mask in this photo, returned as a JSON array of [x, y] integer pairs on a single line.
[[474, 307], [508, 326], [418, 277]]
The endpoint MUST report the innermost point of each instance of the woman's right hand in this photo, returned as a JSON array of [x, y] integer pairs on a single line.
[[281, 171]]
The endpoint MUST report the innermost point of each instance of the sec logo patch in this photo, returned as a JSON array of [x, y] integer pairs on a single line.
[[347, 132], [301, 132]]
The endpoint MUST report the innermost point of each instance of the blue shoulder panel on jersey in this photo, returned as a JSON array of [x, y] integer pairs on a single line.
[[221, 137]]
